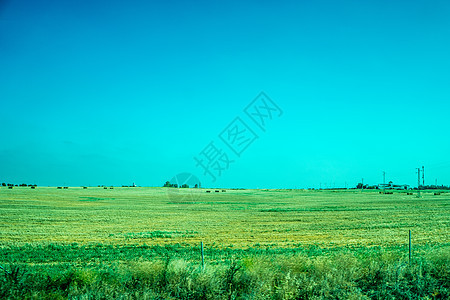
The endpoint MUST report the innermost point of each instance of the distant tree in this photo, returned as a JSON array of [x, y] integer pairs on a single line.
[[167, 184], [3, 184], [185, 186], [359, 186], [196, 186]]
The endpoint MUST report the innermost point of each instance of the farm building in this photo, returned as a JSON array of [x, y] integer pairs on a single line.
[[392, 186]]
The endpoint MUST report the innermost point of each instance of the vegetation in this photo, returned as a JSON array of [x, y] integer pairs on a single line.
[[434, 187], [259, 244], [171, 272], [174, 185], [21, 185]]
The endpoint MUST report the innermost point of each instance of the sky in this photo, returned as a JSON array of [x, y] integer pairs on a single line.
[[115, 92]]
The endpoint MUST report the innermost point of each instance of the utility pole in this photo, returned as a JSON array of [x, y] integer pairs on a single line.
[[418, 182], [423, 176], [384, 182]]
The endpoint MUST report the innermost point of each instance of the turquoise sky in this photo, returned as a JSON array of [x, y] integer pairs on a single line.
[[115, 92]]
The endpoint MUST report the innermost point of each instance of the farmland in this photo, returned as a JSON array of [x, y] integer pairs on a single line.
[[253, 239]]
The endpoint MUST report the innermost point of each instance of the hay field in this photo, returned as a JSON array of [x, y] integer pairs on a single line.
[[143, 243], [235, 218]]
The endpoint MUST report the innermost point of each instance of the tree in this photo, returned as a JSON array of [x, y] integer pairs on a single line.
[[3, 184], [196, 186], [167, 184]]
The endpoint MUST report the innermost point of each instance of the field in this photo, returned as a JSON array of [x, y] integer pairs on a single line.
[[280, 244]]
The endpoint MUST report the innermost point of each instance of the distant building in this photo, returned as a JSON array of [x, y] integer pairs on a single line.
[[392, 186]]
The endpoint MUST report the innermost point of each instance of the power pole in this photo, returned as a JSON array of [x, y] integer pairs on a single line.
[[423, 176], [384, 182], [418, 182]]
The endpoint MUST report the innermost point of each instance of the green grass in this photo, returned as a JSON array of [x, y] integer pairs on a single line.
[[259, 244], [171, 272]]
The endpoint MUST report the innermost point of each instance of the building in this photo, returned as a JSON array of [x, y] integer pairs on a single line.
[[392, 186]]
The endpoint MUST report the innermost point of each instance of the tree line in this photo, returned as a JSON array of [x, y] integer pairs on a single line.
[[22, 184], [175, 185]]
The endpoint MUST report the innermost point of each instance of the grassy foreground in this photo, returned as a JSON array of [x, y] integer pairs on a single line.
[[135, 243]]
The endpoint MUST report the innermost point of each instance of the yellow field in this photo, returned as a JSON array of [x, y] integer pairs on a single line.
[[235, 218]]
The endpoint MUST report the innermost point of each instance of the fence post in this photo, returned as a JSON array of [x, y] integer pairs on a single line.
[[203, 257], [410, 246]]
